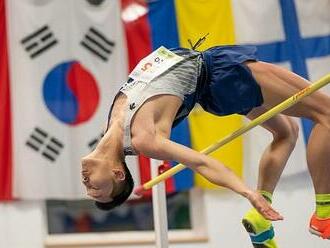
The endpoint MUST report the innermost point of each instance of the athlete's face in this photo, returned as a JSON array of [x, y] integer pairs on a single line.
[[99, 178]]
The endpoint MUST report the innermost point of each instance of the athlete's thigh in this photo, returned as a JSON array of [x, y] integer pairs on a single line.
[[277, 84], [280, 125]]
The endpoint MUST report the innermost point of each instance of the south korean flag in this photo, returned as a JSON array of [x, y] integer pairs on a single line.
[[67, 60]]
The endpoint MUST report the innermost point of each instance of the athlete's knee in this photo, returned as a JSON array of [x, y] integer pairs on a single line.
[[294, 130], [289, 134], [326, 116], [322, 116], [326, 121]]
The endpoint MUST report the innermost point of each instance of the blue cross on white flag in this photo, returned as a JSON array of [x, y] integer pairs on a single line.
[[297, 37]]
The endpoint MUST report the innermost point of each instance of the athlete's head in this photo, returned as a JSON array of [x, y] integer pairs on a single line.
[[108, 183]]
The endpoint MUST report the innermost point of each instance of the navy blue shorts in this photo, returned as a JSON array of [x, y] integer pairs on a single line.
[[230, 87]]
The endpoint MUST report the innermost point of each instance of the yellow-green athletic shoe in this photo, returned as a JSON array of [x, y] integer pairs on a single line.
[[260, 230]]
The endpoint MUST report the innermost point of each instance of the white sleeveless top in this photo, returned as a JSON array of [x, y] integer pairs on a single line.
[[179, 80]]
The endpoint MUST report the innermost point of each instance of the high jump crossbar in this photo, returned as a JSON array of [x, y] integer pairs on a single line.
[[257, 121]]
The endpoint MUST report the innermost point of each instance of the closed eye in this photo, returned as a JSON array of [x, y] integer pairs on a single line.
[[85, 173]]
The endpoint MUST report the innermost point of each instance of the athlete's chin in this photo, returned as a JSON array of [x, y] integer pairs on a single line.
[[102, 199]]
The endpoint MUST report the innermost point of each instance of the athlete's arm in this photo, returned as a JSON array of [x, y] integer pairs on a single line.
[[158, 147]]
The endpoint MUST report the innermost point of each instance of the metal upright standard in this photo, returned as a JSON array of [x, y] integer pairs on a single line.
[[159, 207]]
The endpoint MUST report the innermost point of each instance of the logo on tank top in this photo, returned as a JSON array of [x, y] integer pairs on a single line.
[[132, 106], [71, 93]]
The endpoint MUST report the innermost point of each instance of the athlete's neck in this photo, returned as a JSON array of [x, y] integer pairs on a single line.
[[111, 145]]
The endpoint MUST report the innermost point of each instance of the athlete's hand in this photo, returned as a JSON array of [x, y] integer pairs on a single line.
[[263, 207]]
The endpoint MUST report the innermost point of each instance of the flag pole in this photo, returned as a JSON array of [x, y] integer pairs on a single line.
[[257, 121]]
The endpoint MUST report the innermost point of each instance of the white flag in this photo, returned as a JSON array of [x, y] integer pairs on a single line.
[[67, 60], [295, 35]]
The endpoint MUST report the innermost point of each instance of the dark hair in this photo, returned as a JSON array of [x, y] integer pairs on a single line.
[[122, 196]]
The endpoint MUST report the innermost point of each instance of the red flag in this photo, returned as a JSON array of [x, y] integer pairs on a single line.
[[5, 117], [139, 45]]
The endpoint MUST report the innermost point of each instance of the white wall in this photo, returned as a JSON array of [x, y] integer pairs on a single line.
[[22, 224]]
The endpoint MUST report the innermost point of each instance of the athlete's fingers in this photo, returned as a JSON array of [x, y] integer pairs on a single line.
[[264, 208], [272, 214]]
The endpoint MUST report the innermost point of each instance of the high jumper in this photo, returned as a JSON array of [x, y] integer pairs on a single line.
[[224, 80]]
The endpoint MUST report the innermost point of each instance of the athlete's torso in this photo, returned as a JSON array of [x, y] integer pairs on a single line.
[[157, 114], [155, 105]]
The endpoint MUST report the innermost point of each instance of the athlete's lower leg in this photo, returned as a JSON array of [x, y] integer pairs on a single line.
[[277, 85], [319, 166], [272, 163], [274, 159]]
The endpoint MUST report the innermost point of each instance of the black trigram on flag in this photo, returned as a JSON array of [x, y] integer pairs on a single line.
[[95, 2], [93, 143], [52, 149], [98, 44], [37, 138], [39, 41], [40, 141]]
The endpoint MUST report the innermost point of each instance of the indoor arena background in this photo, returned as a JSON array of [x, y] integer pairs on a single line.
[[47, 46]]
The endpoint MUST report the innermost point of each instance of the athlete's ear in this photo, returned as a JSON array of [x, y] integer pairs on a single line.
[[118, 174]]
